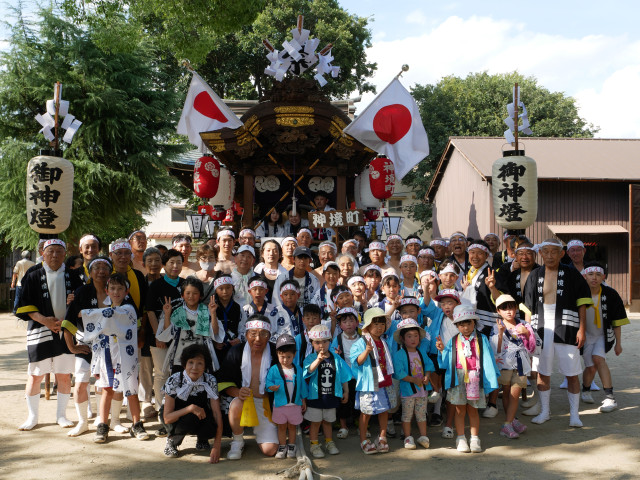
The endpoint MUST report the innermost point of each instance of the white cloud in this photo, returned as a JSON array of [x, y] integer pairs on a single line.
[[416, 17], [596, 69]]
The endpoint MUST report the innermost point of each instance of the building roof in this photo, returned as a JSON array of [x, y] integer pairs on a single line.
[[586, 159]]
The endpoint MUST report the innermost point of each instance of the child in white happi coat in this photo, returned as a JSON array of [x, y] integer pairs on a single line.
[[113, 333], [471, 371], [412, 367], [289, 315], [191, 323], [258, 290], [408, 269], [512, 340]]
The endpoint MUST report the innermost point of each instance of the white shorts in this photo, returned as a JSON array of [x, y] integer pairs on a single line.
[[266, 431], [568, 357], [62, 364], [593, 346], [319, 414], [82, 373]]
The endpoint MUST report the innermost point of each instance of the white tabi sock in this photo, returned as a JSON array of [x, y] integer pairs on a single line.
[[33, 404], [61, 414], [116, 406], [83, 425], [574, 410], [545, 412]]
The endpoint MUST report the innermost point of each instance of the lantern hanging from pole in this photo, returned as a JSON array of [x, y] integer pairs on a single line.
[[362, 191], [49, 194], [515, 190], [382, 178], [223, 198], [206, 177]]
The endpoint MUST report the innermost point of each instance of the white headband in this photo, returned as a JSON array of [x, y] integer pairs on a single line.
[[481, 247], [372, 266], [355, 279], [448, 269], [99, 260], [355, 242], [442, 243], [413, 240], [458, 234], [119, 246], [247, 230], [54, 241], [289, 286], [533, 249], [347, 310], [222, 281], [289, 239], [427, 251], [594, 269], [548, 244], [225, 233], [429, 273], [258, 283], [410, 301], [322, 333], [409, 258], [87, 238], [329, 244], [132, 234], [302, 230], [377, 246], [394, 237], [575, 243], [257, 325]]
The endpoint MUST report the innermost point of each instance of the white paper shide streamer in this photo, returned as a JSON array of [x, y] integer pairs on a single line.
[[522, 117], [70, 123]]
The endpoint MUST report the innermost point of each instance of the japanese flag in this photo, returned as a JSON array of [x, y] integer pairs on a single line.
[[204, 111], [391, 126]]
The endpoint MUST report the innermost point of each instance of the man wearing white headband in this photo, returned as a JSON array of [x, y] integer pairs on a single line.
[[350, 246], [182, 243], [493, 240], [120, 253], [138, 241], [412, 245], [576, 251], [394, 251], [327, 252], [89, 247], [247, 237], [439, 246], [377, 253], [604, 321], [459, 255], [242, 272], [43, 305], [242, 380], [225, 240], [556, 297]]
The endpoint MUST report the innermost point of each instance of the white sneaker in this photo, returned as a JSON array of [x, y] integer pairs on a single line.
[[409, 443], [586, 397], [608, 405], [462, 445], [475, 445], [235, 452], [423, 442], [564, 383], [540, 419], [331, 448], [282, 452], [533, 411], [490, 412], [316, 451]]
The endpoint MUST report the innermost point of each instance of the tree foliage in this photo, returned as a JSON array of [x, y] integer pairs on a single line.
[[128, 104], [476, 106]]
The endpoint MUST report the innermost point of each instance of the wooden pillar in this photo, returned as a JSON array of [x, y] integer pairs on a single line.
[[247, 200]]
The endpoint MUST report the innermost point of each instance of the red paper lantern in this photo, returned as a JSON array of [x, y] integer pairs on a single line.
[[206, 177], [217, 214], [229, 216], [382, 178], [371, 214], [205, 210]]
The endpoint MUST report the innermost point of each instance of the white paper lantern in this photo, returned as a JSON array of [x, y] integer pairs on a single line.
[[515, 191], [226, 190], [49, 194], [362, 190]]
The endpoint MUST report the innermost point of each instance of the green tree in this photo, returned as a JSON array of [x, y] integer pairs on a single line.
[[235, 65], [476, 106], [128, 103]]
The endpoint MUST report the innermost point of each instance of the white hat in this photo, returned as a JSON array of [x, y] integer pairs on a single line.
[[464, 312], [247, 248]]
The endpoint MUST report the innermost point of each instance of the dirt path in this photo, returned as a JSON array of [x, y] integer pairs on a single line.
[[608, 446]]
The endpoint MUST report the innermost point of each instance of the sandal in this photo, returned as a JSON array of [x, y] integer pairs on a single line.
[[447, 432], [342, 433], [383, 446], [368, 448]]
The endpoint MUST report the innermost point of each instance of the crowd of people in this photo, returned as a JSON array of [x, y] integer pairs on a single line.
[[323, 338]]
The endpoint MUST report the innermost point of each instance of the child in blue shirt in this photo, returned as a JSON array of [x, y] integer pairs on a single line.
[[289, 391]]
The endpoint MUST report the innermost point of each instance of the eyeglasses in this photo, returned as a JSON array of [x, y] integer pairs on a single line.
[[261, 334]]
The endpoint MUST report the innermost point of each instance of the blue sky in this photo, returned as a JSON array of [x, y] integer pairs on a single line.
[[588, 50]]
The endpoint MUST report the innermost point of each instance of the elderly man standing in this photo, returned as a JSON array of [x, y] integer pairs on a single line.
[[242, 378], [43, 304]]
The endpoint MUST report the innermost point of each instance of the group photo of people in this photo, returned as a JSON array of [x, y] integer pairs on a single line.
[[277, 337]]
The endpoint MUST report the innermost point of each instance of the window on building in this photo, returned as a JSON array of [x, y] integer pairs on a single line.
[[395, 206], [178, 214]]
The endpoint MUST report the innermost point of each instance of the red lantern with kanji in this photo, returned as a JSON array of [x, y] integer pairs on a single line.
[[382, 178], [206, 177]]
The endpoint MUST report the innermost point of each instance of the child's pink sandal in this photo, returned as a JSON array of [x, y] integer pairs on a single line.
[[368, 448], [383, 446]]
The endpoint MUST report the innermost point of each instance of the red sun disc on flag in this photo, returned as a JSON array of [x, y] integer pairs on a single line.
[[204, 104], [392, 122]]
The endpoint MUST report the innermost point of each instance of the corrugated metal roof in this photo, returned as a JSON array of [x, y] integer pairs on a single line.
[[588, 159], [582, 228]]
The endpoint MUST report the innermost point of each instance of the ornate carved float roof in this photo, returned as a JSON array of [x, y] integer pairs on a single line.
[[292, 127]]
